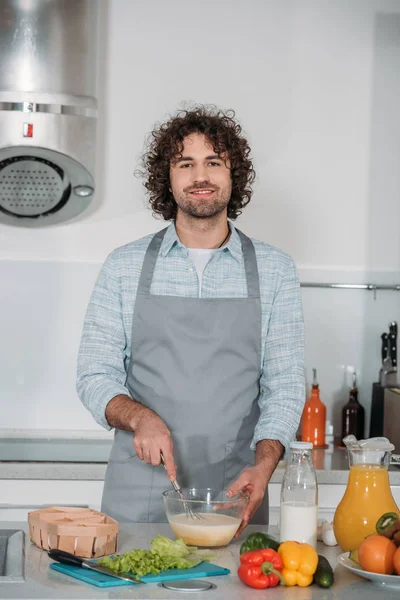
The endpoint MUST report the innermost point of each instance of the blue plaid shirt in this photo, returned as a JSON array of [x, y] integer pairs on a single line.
[[105, 347]]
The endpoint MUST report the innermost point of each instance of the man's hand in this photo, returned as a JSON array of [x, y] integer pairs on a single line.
[[152, 437], [252, 482]]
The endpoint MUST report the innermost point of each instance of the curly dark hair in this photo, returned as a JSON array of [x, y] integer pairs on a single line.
[[166, 143]]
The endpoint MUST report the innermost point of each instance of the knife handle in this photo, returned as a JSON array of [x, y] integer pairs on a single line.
[[65, 557], [385, 346], [393, 343]]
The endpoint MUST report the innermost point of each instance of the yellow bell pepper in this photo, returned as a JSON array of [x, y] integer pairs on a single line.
[[299, 563]]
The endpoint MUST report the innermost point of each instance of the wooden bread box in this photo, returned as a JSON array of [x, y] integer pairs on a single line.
[[80, 531]]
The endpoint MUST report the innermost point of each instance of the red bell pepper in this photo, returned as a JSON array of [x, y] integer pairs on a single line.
[[261, 569]]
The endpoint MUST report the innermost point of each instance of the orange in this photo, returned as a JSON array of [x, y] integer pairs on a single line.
[[376, 554], [396, 561]]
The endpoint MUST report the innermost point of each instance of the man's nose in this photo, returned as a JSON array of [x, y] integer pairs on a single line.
[[200, 174]]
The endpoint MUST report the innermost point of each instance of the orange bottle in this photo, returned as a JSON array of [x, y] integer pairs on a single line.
[[314, 417]]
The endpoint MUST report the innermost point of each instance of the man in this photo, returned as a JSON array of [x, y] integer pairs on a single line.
[[193, 339]]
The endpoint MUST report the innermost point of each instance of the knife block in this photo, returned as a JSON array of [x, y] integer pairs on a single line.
[[80, 531]]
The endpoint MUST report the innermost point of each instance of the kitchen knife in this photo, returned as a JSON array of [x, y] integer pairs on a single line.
[[384, 354], [393, 343], [389, 370], [70, 559], [376, 418]]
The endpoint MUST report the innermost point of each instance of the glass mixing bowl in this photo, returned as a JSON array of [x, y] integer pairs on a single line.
[[216, 517]]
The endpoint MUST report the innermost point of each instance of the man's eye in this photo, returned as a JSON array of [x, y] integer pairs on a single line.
[[215, 164], [185, 165]]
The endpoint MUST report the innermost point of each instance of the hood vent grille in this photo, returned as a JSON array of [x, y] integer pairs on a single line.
[[31, 187]]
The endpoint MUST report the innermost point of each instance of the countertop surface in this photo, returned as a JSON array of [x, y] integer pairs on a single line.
[[79, 459], [41, 582]]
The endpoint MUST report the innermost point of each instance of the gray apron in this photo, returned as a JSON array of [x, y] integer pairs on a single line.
[[196, 363]]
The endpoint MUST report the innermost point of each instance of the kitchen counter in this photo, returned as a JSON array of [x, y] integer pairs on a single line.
[[79, 459], [41, 582]]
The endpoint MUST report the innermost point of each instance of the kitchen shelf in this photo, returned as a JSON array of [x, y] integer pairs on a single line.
[[370, 287]]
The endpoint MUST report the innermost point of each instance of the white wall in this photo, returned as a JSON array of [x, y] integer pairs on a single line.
[[315, 85]]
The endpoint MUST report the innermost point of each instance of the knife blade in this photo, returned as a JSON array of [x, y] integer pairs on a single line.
[[70, 559]]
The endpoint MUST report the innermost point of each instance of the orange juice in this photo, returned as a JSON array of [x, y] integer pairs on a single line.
[[367, 497]]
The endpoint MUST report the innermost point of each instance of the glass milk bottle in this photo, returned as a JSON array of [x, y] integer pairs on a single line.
[[299, 497]]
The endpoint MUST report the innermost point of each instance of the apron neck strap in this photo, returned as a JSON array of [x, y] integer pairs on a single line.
[[250, 265], [149, 262], [249, 256]]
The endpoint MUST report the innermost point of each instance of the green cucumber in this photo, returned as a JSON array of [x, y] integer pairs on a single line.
[[323, 576]]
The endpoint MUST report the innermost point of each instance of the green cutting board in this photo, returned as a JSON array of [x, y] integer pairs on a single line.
[[204, 569]]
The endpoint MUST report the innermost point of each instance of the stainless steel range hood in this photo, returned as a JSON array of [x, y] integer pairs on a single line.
[[48, 109]]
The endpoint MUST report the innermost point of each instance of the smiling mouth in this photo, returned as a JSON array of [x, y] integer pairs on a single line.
[[202, 192]]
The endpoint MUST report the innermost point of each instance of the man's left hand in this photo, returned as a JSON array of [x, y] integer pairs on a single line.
[[252, 482]]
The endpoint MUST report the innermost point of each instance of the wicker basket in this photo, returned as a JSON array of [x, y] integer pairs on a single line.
[[81, 531]]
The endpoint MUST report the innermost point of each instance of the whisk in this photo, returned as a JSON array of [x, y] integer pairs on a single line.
[[190, 513]]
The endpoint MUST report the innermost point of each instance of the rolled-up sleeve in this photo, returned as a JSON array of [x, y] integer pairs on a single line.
[[282, 382], [101, 371]]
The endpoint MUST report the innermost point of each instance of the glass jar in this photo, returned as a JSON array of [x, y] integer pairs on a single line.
[[368, 495], [299, 497]]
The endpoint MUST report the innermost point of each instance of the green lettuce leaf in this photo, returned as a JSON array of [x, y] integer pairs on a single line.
[[163, 546], [166, 547], [164, 554]]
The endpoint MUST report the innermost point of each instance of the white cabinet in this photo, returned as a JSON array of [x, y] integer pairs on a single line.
[[20, 496]]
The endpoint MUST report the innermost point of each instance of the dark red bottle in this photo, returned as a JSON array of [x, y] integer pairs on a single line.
[[353, 414]]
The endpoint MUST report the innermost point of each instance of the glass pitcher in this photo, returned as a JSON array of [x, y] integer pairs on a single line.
[[368, 494]]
